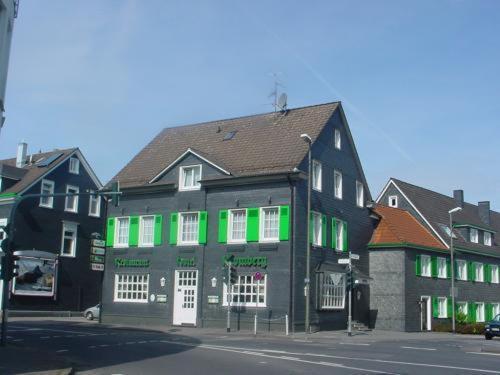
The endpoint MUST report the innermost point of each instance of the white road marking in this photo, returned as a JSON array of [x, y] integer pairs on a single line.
[[484, 353], [45, 337], [299, 340], [61, 351], [104, 345], [417, 348], [354, 343], [17, 340], [92, 346], [142, 342], [130, 343]]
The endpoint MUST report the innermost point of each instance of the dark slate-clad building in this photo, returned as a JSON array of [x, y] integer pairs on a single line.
[[410, 259], [52, 234], [236, 189]]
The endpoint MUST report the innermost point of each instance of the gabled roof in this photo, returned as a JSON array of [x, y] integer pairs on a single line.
[[433, 208], [399, 227], [262, 144]]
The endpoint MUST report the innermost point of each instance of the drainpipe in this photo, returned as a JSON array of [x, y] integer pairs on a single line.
[[291, 309]]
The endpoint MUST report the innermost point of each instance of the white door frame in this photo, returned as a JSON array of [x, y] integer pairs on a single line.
[[428, 307], [178, 299]]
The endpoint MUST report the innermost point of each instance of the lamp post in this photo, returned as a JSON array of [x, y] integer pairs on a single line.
[[452, 261], [307, 280]]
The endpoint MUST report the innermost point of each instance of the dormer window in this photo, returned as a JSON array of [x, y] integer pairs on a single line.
[[393, 201], [189, 177], [474, 236], [487, 238], [74, 165]]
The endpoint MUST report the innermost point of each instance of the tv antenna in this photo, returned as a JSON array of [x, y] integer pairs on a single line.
[[279, 101]]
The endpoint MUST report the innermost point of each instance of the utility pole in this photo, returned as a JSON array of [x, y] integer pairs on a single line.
[[349, 282], [229, 297], [452, 265]]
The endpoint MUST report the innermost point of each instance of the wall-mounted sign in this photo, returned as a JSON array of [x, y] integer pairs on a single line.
[[96, 267], [245, 261], [121, 262], [152, 297], [97, 250], [186, 262], [98, 243], [161, 298], [213, 299], [97, 259]]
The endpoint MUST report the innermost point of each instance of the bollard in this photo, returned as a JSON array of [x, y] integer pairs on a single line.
[[286, 325], [255, 324]]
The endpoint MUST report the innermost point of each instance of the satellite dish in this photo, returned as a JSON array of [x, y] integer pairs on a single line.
[[282, 102]]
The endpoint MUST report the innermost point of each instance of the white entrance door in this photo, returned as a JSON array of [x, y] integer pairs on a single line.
[[185, 297], [425, 313]]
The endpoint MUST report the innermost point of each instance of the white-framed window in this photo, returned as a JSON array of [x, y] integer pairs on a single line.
[[442, 269], [337, 184], [479, 272], [269, 224], [474, 236], [122, 227], [189, 177], [71, 203], [47, 187], [317, 229], [393, 201], [496, 308], [462, 307], [131, 288], [426, 265], [94, 205], [442, 307], [237, 228], [494, 274], [3, 235], [68, 240], [316, 175], [461, 269], [188, 228], [339, 235], [487, 238], [479, 312], [360, 194], [244, 291], [74, 165], [146, 231], [337, 139], [333, 288]]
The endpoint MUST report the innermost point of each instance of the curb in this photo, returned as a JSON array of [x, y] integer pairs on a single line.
[[65, 371]]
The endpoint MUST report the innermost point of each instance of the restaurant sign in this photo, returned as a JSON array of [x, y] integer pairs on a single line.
[[121, 262], [245, 261], [186, 262]]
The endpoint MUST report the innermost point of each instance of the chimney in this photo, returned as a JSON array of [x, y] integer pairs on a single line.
[[22, 150], [484, 211], [459, 197]]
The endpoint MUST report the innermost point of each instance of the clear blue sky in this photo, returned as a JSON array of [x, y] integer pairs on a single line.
[[420, 80]]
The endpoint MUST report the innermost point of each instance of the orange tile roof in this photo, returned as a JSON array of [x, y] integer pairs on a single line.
[[398, 226]]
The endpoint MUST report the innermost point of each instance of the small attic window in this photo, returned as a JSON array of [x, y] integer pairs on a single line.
[[230, 135]]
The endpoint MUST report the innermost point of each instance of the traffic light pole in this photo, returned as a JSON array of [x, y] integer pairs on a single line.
[[349, 317], [229, 297]]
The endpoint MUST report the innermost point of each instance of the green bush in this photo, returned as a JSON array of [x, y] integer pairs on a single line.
[[461, 318], [465, 328]]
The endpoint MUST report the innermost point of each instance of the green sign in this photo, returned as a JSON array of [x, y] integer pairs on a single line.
[[245, 261], [120, 262], [96, 259], [186, 262]]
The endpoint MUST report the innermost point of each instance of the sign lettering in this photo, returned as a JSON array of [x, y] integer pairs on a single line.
[[121, 262], [186, 262], [246, 261]]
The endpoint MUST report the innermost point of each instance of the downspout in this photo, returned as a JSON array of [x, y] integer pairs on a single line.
[[291, 308], [202, 277]]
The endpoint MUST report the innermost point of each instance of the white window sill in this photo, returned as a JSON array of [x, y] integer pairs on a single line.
[[273, 240], [146, 245], [68, 255], [254, 305], [236, 242], [333, 308], [442, 277], [426, 276], [128, 301], [339, 198], [316, 189], [188, 243], [70, 211], [92, 215], [46, 206], [189, 188], [120, 246]]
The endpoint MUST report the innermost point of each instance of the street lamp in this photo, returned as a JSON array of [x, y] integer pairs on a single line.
[[451, 212], [307, 280]]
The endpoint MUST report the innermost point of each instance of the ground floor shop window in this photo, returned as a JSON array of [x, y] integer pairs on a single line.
[[244, 291], [332, 290], [131, 288]]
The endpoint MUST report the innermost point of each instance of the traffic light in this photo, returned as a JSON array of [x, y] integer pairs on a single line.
[[115, 198], [232, 275], [9, 267], [4, 239], [349, 280], [14, 266]]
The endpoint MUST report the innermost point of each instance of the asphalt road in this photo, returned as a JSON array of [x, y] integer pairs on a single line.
[[41, 345]]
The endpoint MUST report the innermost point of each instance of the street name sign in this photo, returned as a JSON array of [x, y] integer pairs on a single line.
[[97, 267], [344, 261], [99, 243], [354, 256], [97, 259], [97, 250]]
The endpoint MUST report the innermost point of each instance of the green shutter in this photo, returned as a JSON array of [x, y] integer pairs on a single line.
[[133, 234], [435, 307], [334, 233], [418, 265], [222, 237], [448, 268], [323, 230], [345, 238], [434, 267], [449, 307], [110, 232], [173, 228], [158, 233], [284, 223], [488, 312], [252, 225], [471, 312], [202, 228], [487, 273], [472, 271]]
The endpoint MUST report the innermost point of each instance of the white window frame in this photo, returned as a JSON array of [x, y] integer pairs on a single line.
[[479, 270], [480, 310], [337, 139], [337, 175], [194, 184], [317, 182], [142, 280], [253, 284], [69, 227], [474, 235], [487, 238], [465, 309], [442, 266], [328, 301], [461, 263], [74, 165], [495, 306], [442, 307], [180, 242], [230, 226], [360, 194], [427, 259], [339, 235], [143, 243], [262, 238], [117, 243], [390, 199], [50, 203], [3, 235], [75, 209], [94, 198], [495, 277], [317, 233]]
